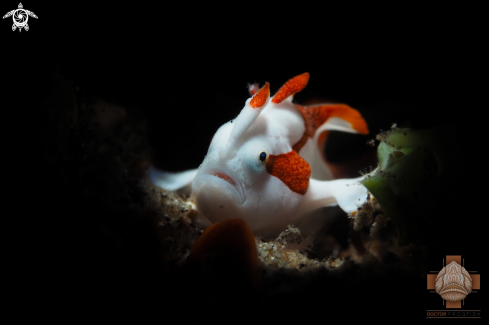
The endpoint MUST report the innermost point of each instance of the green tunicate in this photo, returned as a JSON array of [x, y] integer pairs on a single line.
[[415, 172]]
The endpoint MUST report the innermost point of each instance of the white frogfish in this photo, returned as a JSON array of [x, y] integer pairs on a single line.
[[267, 166]]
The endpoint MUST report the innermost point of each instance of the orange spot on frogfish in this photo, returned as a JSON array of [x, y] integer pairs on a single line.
[[291, 169], [291, 87], [260, 98]]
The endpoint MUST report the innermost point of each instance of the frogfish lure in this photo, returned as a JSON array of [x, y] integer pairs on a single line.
[[267, 166]]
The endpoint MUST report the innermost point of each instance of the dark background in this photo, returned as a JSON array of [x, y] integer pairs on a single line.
[[185, 70]]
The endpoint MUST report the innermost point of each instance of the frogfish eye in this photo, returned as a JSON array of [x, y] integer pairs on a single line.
[[263, 156]]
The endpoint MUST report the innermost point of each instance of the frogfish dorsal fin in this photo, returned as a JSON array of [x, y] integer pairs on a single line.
[[317, 117], [260, 97], [291, 87]]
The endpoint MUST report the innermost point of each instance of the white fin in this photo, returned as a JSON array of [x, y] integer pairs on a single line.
[[171, 181], [337, 124], [313, 154], [349, 194], [313, 151]]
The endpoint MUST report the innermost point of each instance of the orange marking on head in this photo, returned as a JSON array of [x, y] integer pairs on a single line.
[[260, 98], [291, 169], [291, 87]]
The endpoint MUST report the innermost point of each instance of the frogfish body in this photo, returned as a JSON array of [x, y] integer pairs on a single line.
[[267, 166]]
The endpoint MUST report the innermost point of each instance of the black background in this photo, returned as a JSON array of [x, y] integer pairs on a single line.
[[185, 69]]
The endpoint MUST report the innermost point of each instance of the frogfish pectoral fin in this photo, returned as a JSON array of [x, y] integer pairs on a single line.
[[349, 194], [171, 181]]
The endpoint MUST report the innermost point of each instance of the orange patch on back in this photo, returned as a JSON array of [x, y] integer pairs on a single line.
[[315, 116], [260, 98], [291, 87], [291, 169]]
